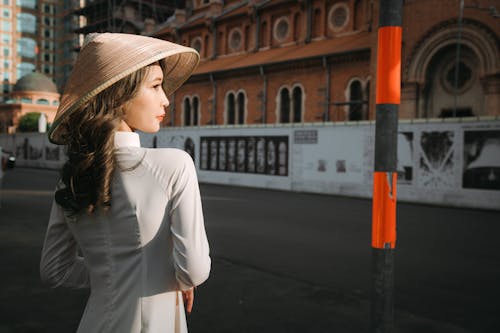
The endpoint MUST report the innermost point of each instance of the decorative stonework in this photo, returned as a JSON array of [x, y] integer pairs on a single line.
[[235, 39], [475, 36], [338, 17], [281, 29], [465, 78]]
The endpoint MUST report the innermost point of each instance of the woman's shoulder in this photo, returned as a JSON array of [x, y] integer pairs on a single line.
[[169, 158]]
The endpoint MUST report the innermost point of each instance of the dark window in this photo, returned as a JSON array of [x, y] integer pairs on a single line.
[[297, 105], [356, 101], [241, 108], [187, 112], [285, 106], [459, 112], [195, 111], [230, 109]]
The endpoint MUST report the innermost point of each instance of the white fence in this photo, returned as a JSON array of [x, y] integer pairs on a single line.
[[452, 163]]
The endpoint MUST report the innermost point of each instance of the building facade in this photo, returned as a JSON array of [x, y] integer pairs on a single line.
[[38, 35], [315, 60], [34, 92]]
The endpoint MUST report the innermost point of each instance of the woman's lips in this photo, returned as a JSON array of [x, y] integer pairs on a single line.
[[160, 118]]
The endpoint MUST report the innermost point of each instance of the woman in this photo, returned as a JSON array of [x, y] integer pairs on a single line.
[[126, 221]]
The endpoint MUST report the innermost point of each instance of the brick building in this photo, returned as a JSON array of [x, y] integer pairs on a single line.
[[34, 92], [315, 60]]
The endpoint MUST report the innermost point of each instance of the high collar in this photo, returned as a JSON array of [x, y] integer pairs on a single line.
[[127, 139]]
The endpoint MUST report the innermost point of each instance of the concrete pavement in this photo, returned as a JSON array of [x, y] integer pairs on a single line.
[[282, 262]]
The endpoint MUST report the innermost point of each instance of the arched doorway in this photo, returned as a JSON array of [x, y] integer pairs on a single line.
[[430, 88]]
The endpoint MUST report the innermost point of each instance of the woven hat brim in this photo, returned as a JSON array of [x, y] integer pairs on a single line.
[[179, 65]]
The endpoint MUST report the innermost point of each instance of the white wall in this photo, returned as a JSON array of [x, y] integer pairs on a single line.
[[439, 162]]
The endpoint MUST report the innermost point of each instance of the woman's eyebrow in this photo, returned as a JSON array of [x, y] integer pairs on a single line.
[[158, 78]]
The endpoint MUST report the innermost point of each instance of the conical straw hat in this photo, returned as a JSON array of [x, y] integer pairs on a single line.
[[105, 58]]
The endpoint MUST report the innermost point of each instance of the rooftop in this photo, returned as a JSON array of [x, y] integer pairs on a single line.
[[35, 82]]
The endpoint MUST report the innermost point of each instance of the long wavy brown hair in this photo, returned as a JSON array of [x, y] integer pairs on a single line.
[[87, 174]]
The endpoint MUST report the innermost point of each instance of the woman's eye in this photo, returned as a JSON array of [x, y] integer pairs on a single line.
[[156, 86]]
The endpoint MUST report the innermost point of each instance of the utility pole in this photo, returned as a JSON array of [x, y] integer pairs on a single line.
[[388, 94]]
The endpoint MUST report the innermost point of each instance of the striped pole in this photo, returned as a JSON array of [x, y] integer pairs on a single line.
[[388, 91]]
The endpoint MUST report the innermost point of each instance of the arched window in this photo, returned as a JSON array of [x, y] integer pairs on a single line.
[[241, 108], [195, 111], [297, 105], [26, 100], [42, 101], [230, 109], [235, 108], [191, 110], [285, 106], [187, 112], [356, 101]]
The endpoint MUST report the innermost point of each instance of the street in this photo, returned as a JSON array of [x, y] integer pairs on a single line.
[[282, 262]]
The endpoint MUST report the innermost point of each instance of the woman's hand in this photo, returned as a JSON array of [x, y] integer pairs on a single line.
[[188, 296]]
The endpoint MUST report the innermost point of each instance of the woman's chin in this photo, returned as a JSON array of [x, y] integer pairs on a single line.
[[150, 129]]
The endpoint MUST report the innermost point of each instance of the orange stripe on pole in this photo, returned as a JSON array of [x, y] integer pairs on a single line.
[[389, 65], [384, 210]]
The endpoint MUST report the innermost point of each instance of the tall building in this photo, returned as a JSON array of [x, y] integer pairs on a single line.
[[67, 40], [27, 39], [287, 61], [128, 16]]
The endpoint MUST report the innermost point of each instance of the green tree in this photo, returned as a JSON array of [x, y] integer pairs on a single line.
[[29, 122]]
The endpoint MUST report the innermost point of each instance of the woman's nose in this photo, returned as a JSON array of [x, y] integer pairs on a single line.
[[165, 102]]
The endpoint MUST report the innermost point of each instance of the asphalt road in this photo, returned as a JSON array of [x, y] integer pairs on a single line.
[[282, 262]]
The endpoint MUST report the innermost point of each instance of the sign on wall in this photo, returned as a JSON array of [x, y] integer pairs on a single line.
[[266, 155]]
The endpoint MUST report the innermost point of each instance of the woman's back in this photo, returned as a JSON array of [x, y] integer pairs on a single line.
[[150, 244]]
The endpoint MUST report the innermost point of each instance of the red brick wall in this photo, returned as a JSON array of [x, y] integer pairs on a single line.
[[419, 17]]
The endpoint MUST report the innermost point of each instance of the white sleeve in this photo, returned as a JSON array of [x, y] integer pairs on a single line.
[[60, 264], [191, 251]]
